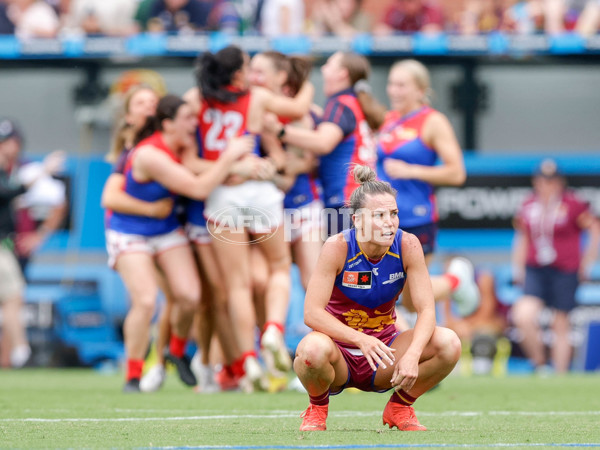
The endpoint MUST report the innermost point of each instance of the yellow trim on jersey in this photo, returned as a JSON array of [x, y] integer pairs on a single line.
[[395, 255], [386, 252], [355, 256]]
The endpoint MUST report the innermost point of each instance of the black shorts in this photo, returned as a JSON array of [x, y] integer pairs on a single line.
[[426, 234], [555, 287]]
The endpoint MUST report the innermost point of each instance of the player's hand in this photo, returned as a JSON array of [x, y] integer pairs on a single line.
[[54, 162], [238, 146], [265, 170], [272, 124], [376, 352], [162, 208], [405, 373], [395, 168]]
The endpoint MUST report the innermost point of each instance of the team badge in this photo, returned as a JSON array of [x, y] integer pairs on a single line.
[[357, 280]]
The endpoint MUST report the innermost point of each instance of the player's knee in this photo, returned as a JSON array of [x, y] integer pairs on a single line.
[[312, 352], [188, 300], [525, 313], [448, 345], [145, 305]]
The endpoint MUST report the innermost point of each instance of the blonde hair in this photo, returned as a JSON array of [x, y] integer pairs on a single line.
[[366, 177], [120, 134], [420, 74]]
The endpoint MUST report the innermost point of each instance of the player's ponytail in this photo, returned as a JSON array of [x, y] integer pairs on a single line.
[[298, 73], [167, 109], [369, 185], [358, 70], [214, 73]]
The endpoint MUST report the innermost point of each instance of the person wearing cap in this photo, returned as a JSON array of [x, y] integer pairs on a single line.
[[14, 338], [549, 262], [41, 210]]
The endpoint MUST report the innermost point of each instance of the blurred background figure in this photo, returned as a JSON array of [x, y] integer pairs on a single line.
[[525, 17], [344, 18], [15, 349], [6, 25], [107, 17], [588, 22], [188, 16], [548, 260], [410, 16], [482, 16], [481, 332], [282, 17], [41, 210], [33, 19]]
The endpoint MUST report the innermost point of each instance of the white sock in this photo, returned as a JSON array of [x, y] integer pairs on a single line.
[[19, 356]]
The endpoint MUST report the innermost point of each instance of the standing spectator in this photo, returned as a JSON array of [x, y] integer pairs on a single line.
[[588, 21], [410, 16], [525, 17], [42, 209], [11, 277], [343, 18], [192, 15], [548, 259], [282, 17], [108, 17], [6, 25], [33, 19], [482, 16]]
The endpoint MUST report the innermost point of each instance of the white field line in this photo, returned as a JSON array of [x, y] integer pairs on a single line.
[[290, 414]]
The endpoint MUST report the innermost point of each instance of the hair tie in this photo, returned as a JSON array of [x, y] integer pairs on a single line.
[[362, 86]]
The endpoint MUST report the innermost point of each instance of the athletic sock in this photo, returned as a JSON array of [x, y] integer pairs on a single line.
[[453, 280], [237, 366], [177, 345], [320, 400], [134, 368], [278, 325], [402, 398]]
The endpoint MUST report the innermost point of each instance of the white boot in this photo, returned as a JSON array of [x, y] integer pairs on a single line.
[[154, 379], [466, 296], [272, 340]]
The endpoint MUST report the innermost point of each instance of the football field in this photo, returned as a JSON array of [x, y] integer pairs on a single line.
[[82, 408]]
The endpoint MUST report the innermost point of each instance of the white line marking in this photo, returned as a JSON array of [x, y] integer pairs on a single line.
[[295, 414]]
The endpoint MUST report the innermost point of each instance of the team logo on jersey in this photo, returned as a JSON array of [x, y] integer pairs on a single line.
[[357, 280], [394, 277]]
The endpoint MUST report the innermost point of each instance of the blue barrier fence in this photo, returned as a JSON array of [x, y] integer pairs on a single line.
[[159, 44]]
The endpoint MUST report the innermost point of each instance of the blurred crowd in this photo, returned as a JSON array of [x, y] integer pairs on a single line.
[[345, 18]]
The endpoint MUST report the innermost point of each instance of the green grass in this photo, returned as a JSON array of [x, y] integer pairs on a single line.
[[81, 408]]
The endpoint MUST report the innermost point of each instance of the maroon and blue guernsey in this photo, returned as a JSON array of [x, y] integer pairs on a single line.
[[400, 138], [357, 147], [149, 191], [365, 292]]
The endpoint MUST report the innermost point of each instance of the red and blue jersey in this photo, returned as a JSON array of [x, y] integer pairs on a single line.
[[149, 191], [357, 147], [365, 291], [218, 122], [306, 187], [194, 209], [400, 138]]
